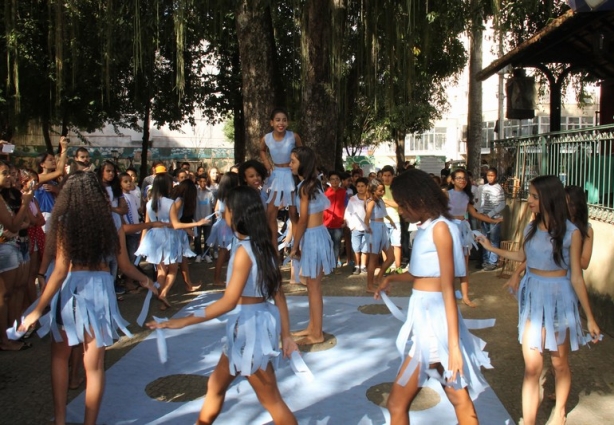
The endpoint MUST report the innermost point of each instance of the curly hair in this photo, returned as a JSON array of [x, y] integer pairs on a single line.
[[249, 219], [308, 171], [553, 213], [81, 225], [416, 190], [256, 165]]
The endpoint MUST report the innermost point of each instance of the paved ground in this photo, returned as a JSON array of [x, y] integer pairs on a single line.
[[25, 394]]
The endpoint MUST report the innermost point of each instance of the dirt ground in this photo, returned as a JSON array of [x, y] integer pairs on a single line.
[[25, 392]]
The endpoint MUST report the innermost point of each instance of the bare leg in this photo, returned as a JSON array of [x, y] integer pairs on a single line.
[[217, 273], [401, 396], [347, 237], [387, 263], [465, 286], [463, 406], [219, 381], [60, 353], [372, 260], [185, 273], [271, 216], [93, 360], [7, 280], [162, 275], [265, 385], [171, 275], [562, 381], [31, 279], [313, 334], [15, 302], [533, 365], [76, 363], [398, 256]]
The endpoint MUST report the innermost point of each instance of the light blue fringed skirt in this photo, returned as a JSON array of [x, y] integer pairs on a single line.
[[252, 337], [377, 240], [87, 304], [161, 245], [183, 244], [281, 187], [317, 253], [221, 235], [466, 235], [549, 303], [426, 332]]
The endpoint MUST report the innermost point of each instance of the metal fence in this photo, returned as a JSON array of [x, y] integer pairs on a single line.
[[583, 158]]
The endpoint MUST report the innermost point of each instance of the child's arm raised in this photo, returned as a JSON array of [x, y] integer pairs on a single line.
[[444, 246]]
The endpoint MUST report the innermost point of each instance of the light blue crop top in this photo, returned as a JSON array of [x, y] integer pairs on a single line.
[[424, 259], [458, 202], [378, 211], [251, 287], [539, 249], [280, 151], [164, 210], [316, 205]]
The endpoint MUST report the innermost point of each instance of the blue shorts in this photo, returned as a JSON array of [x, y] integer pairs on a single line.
[[394, 235], [359, 241], [10, 256]]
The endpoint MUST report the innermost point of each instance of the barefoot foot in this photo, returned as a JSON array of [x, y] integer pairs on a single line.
[[302, 332], [310, 340], [191, 288]]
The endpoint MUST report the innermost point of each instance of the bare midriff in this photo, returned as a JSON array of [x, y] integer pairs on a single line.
[[284, 165], [458, 217], [315, 220], [548, 273], [102, 267], [427, 284], [250, 300]]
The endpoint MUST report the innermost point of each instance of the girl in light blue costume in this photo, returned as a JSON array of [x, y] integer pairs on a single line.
[[182, 214], [441, 347], [163, 245], [221, 234], [548, 314], [461, 203], [377, 234], [84, 311], [253, 325], [312, 248], [279, 143]]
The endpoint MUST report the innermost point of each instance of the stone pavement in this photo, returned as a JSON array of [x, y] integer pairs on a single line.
[[25, 393]]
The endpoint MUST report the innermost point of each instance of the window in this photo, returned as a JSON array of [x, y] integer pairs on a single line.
[[488, 133], [432, 140]]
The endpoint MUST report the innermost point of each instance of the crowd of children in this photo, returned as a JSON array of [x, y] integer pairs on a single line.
[[74, 230]]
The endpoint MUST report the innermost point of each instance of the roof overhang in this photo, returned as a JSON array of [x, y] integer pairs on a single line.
[[584, 40]]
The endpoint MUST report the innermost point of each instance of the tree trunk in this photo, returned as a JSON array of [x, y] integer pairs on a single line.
[[144, 172], [257, 55], [400, 150], [238, 119], [319, 109], [46, 135], [474, 114]]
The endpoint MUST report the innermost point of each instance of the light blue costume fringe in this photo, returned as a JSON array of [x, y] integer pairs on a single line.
[[161, 245], [317, 253], [377, 240], [281, 187]]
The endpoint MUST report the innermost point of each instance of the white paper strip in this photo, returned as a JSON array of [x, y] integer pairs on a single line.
[[145, 309], [396, 312], [161, 340], [299, 367]]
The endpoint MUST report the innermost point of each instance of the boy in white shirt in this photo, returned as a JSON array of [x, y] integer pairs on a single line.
[[355, 220]]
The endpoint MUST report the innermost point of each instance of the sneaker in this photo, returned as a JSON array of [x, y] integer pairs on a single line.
[[356, 270], [363, 270], [490, 267], [119, 290], [198, 259], [400, 270], [207, 259]]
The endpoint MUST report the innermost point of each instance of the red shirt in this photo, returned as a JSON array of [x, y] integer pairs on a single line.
[[333, 216]]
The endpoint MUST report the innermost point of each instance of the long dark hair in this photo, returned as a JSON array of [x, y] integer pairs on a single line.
[[249, 219], [160, 188], [114, 184], [467, 188], [553, 213], [229, 181], [81, 225], [186, 190], [308, 171], [578, 209], [416, 190], [40, 159]]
